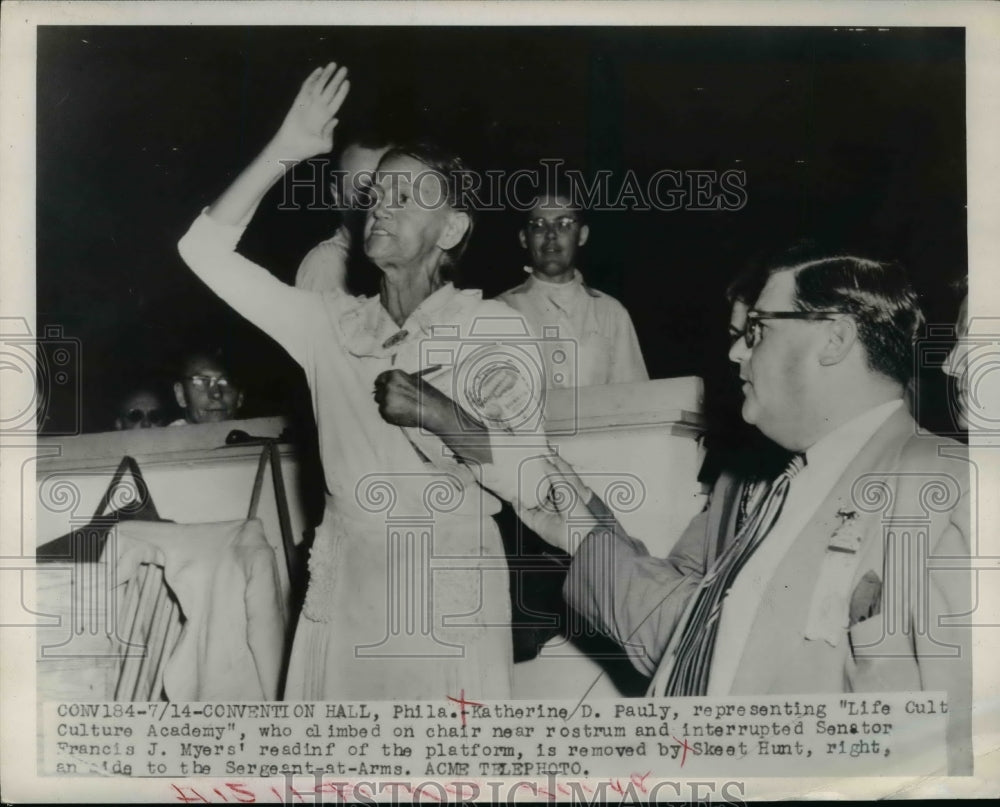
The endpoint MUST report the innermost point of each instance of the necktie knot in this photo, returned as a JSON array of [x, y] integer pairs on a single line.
[[795, 466]]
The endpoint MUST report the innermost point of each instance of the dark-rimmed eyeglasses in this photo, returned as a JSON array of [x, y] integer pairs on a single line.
[[563, 224], [155, 416], [203, 382], [753, 329]]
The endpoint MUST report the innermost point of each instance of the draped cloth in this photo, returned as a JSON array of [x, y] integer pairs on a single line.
[[200, 614]]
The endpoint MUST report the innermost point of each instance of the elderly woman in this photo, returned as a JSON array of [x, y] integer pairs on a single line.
[[407, 596]]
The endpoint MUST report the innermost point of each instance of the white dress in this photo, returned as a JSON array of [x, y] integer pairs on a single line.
[[408, 595]]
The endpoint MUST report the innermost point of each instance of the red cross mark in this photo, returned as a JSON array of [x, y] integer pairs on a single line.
[[463, 703], [686, 746]]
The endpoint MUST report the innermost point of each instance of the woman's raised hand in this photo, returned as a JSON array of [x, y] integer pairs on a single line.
[[308, 127]]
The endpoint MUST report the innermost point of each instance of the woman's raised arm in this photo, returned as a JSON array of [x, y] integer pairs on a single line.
[[209, 247], [306, 132]]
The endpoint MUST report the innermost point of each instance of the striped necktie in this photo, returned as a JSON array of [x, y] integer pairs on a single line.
[[687, 665], [749, 498]]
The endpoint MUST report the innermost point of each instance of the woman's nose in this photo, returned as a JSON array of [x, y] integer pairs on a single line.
[[379, 201]]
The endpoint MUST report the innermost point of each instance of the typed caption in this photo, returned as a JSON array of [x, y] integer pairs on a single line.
[[837, 735]]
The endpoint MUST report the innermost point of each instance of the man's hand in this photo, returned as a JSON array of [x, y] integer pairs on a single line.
[[308, 127], [567, 496], [568, 476]]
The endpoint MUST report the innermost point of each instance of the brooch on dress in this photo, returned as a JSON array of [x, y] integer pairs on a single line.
[[395, 339]]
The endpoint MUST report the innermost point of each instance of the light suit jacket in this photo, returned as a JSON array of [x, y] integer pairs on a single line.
[[902, 505]]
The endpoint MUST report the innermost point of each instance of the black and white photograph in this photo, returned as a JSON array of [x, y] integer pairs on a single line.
[[430, 395]]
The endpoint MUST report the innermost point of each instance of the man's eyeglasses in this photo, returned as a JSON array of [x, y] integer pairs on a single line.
[[204, 382], [155, 416], [753, 330], [563, 224]]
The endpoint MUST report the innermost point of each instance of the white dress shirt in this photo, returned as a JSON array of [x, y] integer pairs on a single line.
[[826, 461], [591, 339]]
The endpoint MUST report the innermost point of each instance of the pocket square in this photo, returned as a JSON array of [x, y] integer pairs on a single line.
[[866, 599]]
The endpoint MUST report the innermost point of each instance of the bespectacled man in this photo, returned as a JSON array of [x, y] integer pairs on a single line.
[[812, 593], [206, 391], [555, 301]]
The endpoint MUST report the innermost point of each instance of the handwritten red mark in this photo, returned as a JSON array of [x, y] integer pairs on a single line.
[[683, 744], [347, 792], [640, 781], [188, 795], [420, 791], [463, 702]]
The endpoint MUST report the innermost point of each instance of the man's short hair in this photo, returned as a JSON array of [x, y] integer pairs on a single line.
[[747, 285], [877, 294], [214, 356], [561, 188]]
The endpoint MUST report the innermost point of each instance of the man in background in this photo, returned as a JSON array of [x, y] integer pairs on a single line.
[[556, 301], [206, 391], [141, 409]]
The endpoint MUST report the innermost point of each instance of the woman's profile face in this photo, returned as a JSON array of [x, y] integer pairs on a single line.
[[407, 224]]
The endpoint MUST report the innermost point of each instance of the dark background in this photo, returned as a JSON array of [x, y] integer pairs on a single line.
[[855, 137]]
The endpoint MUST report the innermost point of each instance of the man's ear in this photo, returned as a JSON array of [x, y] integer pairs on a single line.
[[454, 230], [584, 235], [239, 403], [523, 238], [179, 395], [842, 333]]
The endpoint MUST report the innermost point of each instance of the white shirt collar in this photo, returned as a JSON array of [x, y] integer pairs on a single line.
[[576, 280]]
